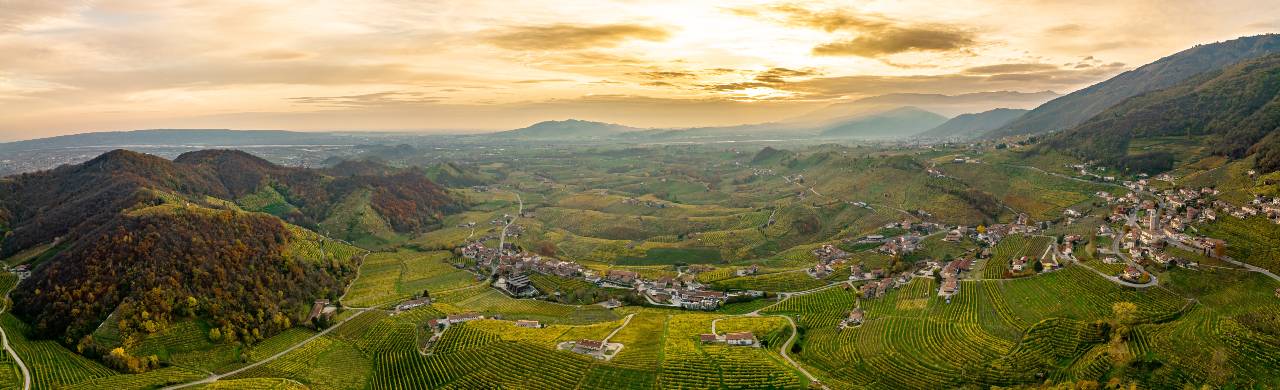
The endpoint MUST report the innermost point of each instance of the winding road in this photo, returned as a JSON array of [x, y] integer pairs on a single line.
[[4, 338]]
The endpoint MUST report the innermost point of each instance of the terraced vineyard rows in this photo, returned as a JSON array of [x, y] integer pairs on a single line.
[[387, 277], [1073, 293], [160, 377], [1011, 248], [51, 365], [1250, 240]]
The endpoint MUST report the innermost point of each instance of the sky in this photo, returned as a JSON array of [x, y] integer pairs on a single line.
[[480, 65]]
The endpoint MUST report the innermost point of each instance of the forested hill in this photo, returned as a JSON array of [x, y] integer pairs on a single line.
[[49, 204], [1075, 108], [1235, 111], [150, 239]]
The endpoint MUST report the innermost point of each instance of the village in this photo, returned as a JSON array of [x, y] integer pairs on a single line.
[[511, 270], [1140, 225]]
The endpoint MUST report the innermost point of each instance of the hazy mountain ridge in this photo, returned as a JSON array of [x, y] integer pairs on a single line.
[[967, 126], [206, 137], [569, 128], [896, 123]]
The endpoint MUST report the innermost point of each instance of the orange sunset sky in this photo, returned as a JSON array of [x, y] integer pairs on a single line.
[[79, 66]]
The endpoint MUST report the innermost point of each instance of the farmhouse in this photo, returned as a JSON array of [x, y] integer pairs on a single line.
[[854, 319], [708, 338], [528, 324], [321, 308], [950, 286], [740, 338], [460, 318], [1019, 264], [588, 346], [412, 303]]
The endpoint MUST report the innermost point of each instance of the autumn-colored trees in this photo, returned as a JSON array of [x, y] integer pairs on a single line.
[[154, 268]]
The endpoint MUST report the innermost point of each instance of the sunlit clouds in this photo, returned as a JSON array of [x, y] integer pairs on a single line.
[[75, 66]]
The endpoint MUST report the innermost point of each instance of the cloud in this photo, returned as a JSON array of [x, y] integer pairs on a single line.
[[775, 78], [1061, 29], [541, 81], [377, 99], [572, 37], [1010, 68], [279, 55], [897, 40], [874, 35], [777, 75], [662, 75], [19, 14]]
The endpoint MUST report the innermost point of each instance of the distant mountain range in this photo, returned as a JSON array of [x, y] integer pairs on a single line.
[[1236, 110], [1077, 107], [571, 128], [193, 137], [878, 117], [896, 123], [945, 105], [968, 126]]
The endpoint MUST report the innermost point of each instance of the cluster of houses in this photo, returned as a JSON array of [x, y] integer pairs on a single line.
[[510, 262], [645, 203], [900, 245], [951, 277], [879, 282], [829, 253], [746, 339], [513, 269]]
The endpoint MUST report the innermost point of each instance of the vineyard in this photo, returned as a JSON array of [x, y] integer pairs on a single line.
[[794, 280], [388, 277], [310, 246], [1011, 248], [1250, 240], [1213, 326], [494, 302], [51, 365]]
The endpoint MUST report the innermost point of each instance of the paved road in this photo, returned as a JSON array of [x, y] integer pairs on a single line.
[[215, 377], [1228, 259], [787, 345], [4, 337], [502, 238]]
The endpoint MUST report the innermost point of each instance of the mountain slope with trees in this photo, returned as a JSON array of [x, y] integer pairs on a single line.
[[1075, 108], [145, 241], [1236, 111]]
